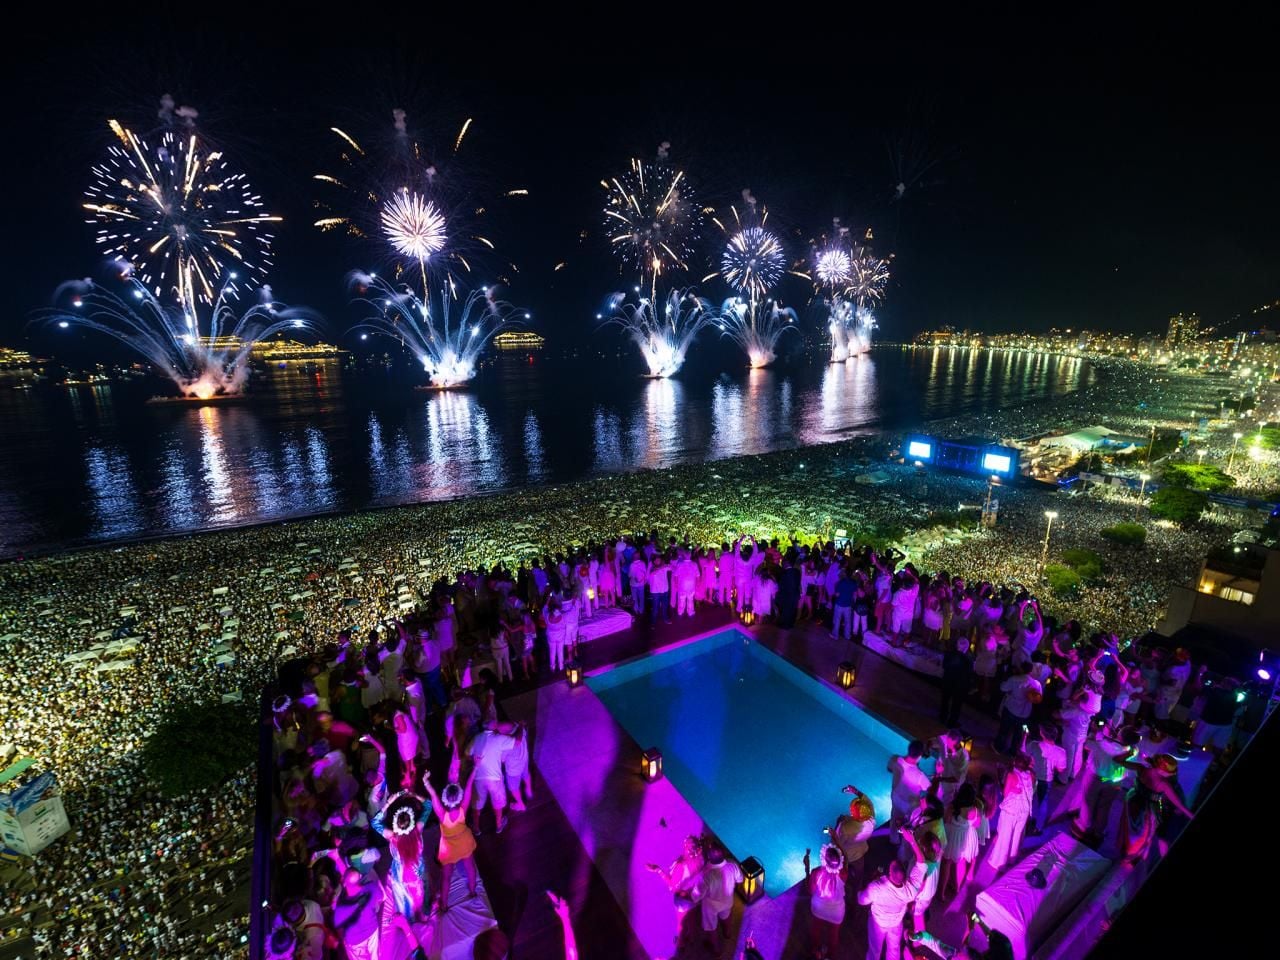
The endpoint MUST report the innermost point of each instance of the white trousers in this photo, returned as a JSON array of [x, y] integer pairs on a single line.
[[557, 654], [684, 603], [878, 938]]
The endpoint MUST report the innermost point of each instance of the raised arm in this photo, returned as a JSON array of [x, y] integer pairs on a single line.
[[561, 908], [466, 790]]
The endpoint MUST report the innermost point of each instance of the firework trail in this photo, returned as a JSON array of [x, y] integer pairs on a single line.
[[663, 332], [446, 335], [205, 351], [652, 219], [756, 326], [174, 208]]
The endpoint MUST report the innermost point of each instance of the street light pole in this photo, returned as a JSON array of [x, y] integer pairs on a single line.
[[1144, 477], [1051, 515], [992, 483], [1232, 459], [1200, 453]]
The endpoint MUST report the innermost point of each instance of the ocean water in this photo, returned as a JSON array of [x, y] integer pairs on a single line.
[[86, 465]]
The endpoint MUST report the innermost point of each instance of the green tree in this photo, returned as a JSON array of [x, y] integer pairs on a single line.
[[1198, 476], [1064, 581], [1179, 504], [197, 745], [1126, 534], [1084, 562]]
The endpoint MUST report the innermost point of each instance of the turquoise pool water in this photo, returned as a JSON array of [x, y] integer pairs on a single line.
[[755, 745]]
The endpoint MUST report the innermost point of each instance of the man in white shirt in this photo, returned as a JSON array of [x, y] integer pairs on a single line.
[[659, 590], [639, 577], [909, 782], [888, 896], [1022, 692], [720, 876], [1048, 760], [488, 750]]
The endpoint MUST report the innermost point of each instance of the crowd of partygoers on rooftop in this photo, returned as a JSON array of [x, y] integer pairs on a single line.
[[369, 845]]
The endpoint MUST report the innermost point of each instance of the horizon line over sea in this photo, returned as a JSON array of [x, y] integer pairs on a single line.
[[97, 465]]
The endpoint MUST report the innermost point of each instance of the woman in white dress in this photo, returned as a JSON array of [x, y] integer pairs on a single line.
[[962, 841], [1015, 808]]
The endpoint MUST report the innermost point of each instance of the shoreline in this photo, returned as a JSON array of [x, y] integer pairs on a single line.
[[868, 436]]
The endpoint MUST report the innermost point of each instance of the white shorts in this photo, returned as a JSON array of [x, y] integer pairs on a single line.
[[712, 915], [488, 791], [1212, 735], [902, 621]]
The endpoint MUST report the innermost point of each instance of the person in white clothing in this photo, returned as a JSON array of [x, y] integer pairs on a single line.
[[888, 896], [707, 575], [720, 876], [1048, 760], [1015, 808], [725, 575], [639, 578], [686, 576], [827, 899], [924, 872], [489, 749], [909, 783], [557, 631]]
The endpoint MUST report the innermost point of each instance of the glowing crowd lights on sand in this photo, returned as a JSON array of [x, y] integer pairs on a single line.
[[446, 335], [663, 332], [414, 225], [174, 208], [205, 352], [756, 326], [753, 261], [652, 218]]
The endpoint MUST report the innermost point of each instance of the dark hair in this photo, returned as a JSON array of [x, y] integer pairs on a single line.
[[966, 796], [915, 749]]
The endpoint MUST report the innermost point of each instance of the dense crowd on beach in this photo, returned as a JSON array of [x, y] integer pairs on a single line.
[[212, 616]]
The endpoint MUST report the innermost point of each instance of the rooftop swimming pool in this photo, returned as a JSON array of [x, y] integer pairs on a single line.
[[756, 746]]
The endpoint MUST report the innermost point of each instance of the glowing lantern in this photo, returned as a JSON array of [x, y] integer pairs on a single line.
[[591, 593], [651, 764], [573, 670], [752, 886], [966, 742], [845, 674]]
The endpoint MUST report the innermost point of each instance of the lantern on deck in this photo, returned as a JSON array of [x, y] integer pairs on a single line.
[[966, 742], [651, 764], [846, 674], [591, 593], [573, 670], [752, 886]]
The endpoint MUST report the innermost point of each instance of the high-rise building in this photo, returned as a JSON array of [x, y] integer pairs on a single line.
[[1183, 330]]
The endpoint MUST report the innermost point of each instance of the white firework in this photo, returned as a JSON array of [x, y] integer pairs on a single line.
[[414, 225]]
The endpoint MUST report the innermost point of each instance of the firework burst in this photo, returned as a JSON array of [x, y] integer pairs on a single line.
[[178, 213], [663, 331], [870, 276], [833, 268], [414, 226], [393, 187], [652, 219], [753, 261], [204, 350], [756, 326], [446, 335]]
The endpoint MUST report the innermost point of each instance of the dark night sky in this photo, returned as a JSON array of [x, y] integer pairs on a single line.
[[1078, 181]]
